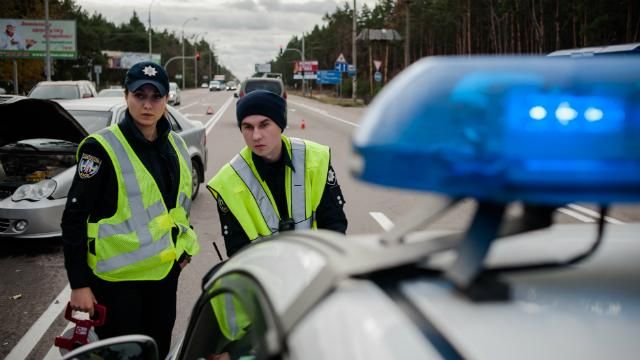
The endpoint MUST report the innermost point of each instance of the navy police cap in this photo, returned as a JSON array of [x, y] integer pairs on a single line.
[[147, 72]]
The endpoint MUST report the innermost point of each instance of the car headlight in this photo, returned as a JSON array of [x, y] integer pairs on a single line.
[[35, 192]]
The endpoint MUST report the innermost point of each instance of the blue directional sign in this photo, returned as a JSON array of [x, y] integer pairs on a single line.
[[342, 67], [377, 76], [326, 77]]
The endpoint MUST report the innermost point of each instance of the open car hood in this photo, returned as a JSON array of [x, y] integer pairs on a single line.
[[27, 118]]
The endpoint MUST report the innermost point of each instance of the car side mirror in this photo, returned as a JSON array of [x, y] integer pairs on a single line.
[[134, 347]]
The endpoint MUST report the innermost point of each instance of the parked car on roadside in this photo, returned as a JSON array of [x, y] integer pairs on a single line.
[[111, 93], [274, 85], [37, 157], [174, 94], [63, 90]]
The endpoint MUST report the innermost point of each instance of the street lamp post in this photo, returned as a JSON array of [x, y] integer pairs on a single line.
[[151, 3], [182, 38]]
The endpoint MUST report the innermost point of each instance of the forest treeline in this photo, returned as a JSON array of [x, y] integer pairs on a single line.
[[435, 27], [460, 27]]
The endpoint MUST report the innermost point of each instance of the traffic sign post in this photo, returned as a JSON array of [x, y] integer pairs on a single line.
[[342, 67]]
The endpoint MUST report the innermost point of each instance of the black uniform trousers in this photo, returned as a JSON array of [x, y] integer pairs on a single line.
[[141, 307]]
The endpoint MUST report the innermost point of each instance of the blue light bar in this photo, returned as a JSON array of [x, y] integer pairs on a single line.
[[536, 129]]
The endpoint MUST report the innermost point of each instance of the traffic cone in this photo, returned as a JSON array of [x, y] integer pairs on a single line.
[[210, 110], [302, 125]]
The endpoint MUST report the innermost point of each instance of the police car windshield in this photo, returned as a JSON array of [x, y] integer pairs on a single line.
[[92, 121]]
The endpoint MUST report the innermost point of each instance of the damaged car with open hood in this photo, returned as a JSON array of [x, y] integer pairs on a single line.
[[38, 157]]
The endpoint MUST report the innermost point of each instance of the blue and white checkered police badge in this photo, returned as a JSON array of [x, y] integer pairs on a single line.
[[88, 166]]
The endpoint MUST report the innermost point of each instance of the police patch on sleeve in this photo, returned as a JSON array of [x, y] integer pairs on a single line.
[[331, 177], [88, 166]]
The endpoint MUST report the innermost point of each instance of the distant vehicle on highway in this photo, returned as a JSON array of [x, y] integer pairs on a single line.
[[216, 85], [274, 85], [37, 157], [111, 93], [63, 90]]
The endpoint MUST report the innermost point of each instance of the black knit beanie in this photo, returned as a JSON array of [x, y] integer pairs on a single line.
[[262, 102]]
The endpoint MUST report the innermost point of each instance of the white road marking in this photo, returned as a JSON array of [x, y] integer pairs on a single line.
[[324, 113], [214, 119], [576, 215], [382, 219], [34, 334], [594, 214], [186, 106]]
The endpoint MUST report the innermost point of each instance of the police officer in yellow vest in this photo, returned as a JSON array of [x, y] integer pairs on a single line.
[[125, 228], [276, 183]]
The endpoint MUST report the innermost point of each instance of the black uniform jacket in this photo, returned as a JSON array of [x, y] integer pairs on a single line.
[[329, 215], [93, 194]]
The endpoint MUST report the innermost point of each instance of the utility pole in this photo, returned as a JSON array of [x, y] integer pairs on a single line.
[[182, 38], [406, 34], [195, 64], [354, 52], [46, 40], [151, 3], [210, 59], [304, 81]]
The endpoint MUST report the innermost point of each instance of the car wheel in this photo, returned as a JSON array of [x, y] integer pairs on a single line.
[[195, 179]]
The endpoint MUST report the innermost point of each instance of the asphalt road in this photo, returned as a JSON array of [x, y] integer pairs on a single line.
[[34, 288]]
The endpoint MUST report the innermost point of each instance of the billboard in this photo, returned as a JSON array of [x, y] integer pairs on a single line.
[[305, 69], [125, 60], [263, 68], [25, 39]]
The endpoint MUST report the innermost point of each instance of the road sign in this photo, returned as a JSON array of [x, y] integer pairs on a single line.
[[325, 77], [341, 59], [97, 69], [341, 67], [377, 76], [377, 63], [178, 76], [351, 70]]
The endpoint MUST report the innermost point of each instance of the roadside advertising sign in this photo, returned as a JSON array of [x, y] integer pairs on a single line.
[[305, 69], [329, 77], [263, 68], [25, 39], [125, 60]]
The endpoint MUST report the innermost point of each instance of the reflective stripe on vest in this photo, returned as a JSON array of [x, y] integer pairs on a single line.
[[140, 218], [298, 202], [183, 200], [298, 191]]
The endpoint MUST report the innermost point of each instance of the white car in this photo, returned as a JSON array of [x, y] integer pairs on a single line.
[[532, 130], [37, 157]]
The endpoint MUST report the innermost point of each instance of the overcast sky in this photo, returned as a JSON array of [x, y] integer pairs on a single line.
[[244, 32]]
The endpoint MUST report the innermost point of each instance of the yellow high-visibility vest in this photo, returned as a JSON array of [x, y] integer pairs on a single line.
[[135, 243], [249, 199]]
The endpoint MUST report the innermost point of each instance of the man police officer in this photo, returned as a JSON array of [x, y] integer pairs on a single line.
[[125, 228], [276, 183]]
